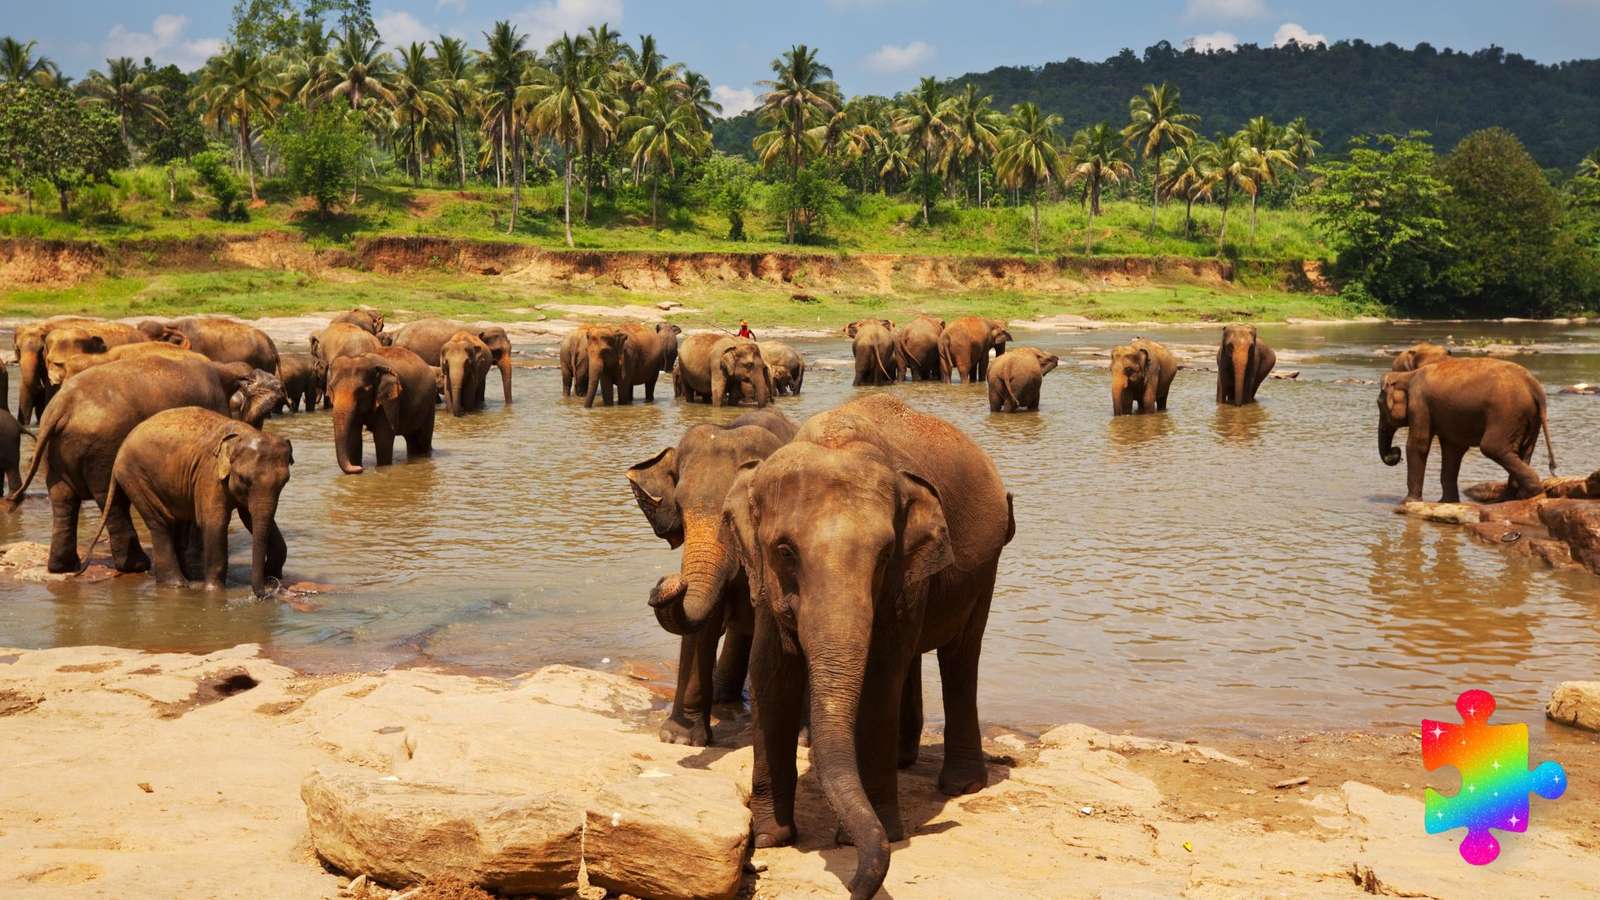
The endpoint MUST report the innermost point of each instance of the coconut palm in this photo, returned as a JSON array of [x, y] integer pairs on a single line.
[[645, 69], [419, 111], [17, 63], [1187, 174], [1030, 154], [849, 138], [924, 117], [452, 81], [799, 98], [129, 93], [573, 108], [1157, 122], [361, 70], [308, 75], [1098, 156], [974, 129], [664, 129], [235, 87], [1235, 165], [892, 157], [1300, 140], [506, 66], [1267, 140], [1589, 167], [697, 92]]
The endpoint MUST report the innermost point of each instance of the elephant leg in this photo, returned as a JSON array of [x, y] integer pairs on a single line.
[[382, 439], [13, 478], [625, 392], [186, 546], [778, 684], [1523, 477], [126, 552], [1161, 396], [64, 507], [1147, 400], [964, 771], [277, 547], [733, 665], [1417, 446], [689, 722], [214, 543], [911, 715], [650, 388], [166, 542], [1450, 455]]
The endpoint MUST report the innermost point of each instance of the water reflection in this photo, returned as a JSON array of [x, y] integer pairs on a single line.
[[1241, 425], [1129, 432]]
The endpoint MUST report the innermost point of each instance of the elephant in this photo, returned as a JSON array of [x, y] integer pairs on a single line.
[[680, 491], [363, 317], [343, 339], [1015, 379], [85, 424], [1141, 373], [63, 340], [964, 347], [786, 366], [11, 432], [304, 378], [877, 351], [219, 339], [464, 362], [425, 337], [649, 352], [717, 367], [919, 348], [389, 392], [63, 368], [1494, 405], [33, 389], [1243, 362], [871, 538], [594, 361], [187, 470], [1418, 355]]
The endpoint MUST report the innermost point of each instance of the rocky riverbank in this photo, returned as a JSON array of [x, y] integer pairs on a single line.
[[146, 774]]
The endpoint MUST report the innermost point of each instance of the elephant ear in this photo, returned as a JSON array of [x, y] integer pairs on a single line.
[[655, 484], [887, 323], [388, 395], [924, 534], [851, 329], [739, 521], [1047, 362], [224, 455], [495, 351], [1146, 362]]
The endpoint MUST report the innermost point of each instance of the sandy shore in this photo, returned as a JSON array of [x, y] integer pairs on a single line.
[[135, 774]]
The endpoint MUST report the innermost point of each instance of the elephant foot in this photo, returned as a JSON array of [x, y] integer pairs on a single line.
[[908, 756], [135, 562], [957, 779], [773, 835], [62, 563], [690, 734], [729, 694]]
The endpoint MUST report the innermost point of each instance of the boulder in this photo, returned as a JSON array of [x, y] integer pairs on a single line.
[[1576, 703], [1450, 513], [401, 833], [675, 835], [1577, 522]]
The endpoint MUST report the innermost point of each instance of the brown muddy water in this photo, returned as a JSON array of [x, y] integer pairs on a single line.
[[1206, 569]]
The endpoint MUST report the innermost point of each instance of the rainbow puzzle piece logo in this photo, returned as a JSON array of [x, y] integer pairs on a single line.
[[1495, 780]]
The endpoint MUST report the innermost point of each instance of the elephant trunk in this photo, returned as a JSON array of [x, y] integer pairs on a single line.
[[597, 371], [505, 376], [347, 440], [1242, 357], [1386, 448], [707, 568], [29, 401], [836, 655], [455, 385], [263, 514]]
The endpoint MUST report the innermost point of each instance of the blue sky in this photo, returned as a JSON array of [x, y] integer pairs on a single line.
[[878, 46]]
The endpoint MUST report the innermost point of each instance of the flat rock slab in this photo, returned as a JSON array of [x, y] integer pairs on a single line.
[[1450, 513], [676, 835], [1576, 703], [401, 833]]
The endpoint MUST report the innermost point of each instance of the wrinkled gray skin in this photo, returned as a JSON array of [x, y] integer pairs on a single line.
[[713, 368], [11, 433], [787, 366], [876, 351], [1243, 363], [1015, 379], [680, 491], [919, 348], [870, 539], [390, 392]]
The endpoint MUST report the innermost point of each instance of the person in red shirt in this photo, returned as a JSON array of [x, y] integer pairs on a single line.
[[745, 332]]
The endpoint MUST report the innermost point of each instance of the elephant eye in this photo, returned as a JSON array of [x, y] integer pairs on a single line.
[[787, 552]]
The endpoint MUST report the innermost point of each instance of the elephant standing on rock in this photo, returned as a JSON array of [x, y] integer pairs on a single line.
[[33, 389], [964, 348], [464, 363], [1494, 405], [389, 392], [919, 348], [1015, 379], [649, 352], [85, 425], [786, 366], [713, 368], [1141, 373], [870, 539], [681, 491], [304, 377], [425, 338], [186, 471], [1243, 362], [1418, 355], [594, 361], [876, 350], [218, 339]]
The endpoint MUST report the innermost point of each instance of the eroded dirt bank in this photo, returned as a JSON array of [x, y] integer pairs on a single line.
[[137, 774], [39, 263]]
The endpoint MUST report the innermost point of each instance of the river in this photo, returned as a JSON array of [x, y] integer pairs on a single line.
[[1228, 569]]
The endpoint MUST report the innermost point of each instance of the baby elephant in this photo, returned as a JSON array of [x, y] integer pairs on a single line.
[[1015, 379], [304, 378], [187, 470], [1142, 373]]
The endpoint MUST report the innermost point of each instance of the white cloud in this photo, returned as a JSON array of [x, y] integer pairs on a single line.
[[1290, 31], [734, 100], [399, 28], [899, 58], [1225, 9], [165, 42], [548, 20], [1216, 40]]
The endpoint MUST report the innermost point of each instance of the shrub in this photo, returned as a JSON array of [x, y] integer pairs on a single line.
[[221, 183], [322, 152]]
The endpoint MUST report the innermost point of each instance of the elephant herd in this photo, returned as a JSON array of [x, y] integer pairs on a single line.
[[165, 417]]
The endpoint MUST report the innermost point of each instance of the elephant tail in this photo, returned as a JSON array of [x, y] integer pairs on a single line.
[[883, 367], [1549, 448], [105, 516], [41, 443]]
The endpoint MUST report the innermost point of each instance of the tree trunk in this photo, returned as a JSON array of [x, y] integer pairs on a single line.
[[461, 157], [516, 168], [925, 185], [1088, 234], [566, 198], [244, 154], [1155, 190], [1222, 235], [61, 198], [1188, 216], [1036, 220], [1253, 197], [655, 191]]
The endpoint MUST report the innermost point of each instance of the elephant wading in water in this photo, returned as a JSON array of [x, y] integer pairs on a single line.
[[964, 348], [1418, 355], [218, 339], [876, 350], [389, 392], [681, 491], [33, 388], [713, 368], [1141, 373], [1491, 404], [594, 360], [187, 471], [426, 337], [11, 432], [649, 352], [1015, 379], [1243, 362], [86, 423], [60, 369], [919, 348], [58, 340], [786, 366], [304, 377], [871, 538], [464, 363]]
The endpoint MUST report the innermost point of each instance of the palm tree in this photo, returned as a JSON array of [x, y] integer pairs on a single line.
[[1156, 122], [645, 69], [360, 69], [1590, 166], [452, 80], [505, 66], [697, 92], [664, 128], [235, 86], [1098, 155], [974, 133], [129, 93], [924, 118], [848, 137], [892, 158], [801, 92], [1300, 139], [418, 108], [1235, 164], [1188, 174], [572, 108], [1267, 140], [309, 76], [1029, 154], [17, 63]]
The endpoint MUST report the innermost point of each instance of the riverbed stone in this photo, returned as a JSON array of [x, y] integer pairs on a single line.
[[1577, 523], [1449, 513], [675, 835], [1576, 703], [402, 833]]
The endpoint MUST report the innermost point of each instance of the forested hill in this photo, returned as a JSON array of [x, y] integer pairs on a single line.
[[1346, 89]]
